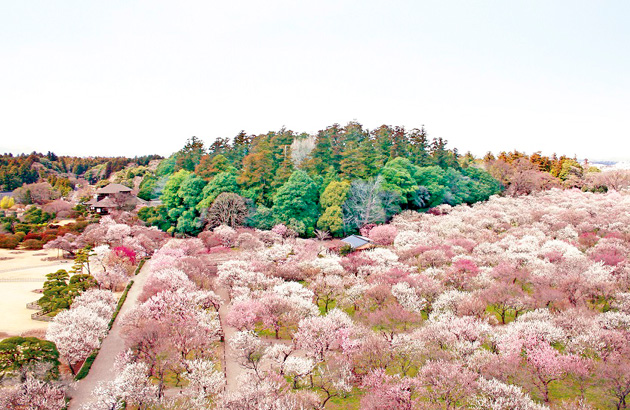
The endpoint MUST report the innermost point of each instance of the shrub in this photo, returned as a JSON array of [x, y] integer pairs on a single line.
[[23, 229], [50, 232], [7, 202], [345, 250], [32, 235], [125, 252], [78, 226], [35, 215], [33, 244], [48, 238], [9, 241], [87, 365]]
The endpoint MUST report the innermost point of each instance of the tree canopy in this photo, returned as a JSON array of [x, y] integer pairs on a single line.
[[19, 352], [316, 181]]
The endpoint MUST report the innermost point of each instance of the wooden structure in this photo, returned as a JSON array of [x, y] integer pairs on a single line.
[[112, 196]]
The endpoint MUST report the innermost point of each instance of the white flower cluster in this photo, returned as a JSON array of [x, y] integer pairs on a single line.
[[328, 265], [242, 280], [622, 302], [408, 239], [614, 320], [275, 253], [408, 297], [203, 376], [496, 395], [298, 366], [294, 290], [461, 334], [226, 234], [447, 301], [131, 386], [101, 302], [536, 325]]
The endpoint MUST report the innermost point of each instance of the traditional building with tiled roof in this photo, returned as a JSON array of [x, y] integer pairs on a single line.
[[358, 242], [112, 196]]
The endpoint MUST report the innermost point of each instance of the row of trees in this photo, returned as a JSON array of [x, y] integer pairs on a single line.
[[172, 335], [82, 303], [523, 174], [79, 330]]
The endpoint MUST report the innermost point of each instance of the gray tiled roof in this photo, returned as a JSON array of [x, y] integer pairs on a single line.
[[104, 203], [113, 189], [356, 240]]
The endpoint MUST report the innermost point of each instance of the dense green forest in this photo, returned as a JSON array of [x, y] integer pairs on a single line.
[[338, 180]]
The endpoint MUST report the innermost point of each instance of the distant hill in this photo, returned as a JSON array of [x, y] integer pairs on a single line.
[[17, 170], [612, 165]]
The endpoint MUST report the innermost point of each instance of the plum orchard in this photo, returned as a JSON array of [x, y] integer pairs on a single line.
[[514, 303]]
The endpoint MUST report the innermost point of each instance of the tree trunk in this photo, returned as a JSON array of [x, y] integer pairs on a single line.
[[546, 393], [328, 396]]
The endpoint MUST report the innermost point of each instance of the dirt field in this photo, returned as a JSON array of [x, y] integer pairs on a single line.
[[62, 222], [21, 272]]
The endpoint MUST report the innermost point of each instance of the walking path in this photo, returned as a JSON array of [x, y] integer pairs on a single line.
[[112, 346], [232, 369]]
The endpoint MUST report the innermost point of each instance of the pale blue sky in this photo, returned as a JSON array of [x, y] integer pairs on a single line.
[[139, 77]]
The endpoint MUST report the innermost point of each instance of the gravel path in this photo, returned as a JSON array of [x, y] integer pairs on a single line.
[[232, 369], [47, 265], [112, 346]]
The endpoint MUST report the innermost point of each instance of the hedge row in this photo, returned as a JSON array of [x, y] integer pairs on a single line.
[[140, 265]]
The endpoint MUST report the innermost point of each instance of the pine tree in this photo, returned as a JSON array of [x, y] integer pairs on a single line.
[[419, 147], [189, 156]]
